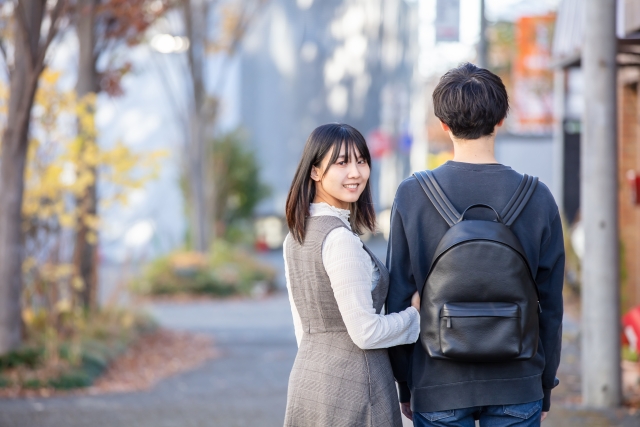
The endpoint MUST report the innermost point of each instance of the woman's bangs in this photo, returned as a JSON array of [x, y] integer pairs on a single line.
[[336, 147], [357, 143], [352, 142], [353, 147], [361, 145]]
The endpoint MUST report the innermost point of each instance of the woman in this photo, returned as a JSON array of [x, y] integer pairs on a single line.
[[337, 287]]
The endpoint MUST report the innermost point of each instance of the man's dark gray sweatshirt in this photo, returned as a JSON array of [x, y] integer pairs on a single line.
[[416, 229]]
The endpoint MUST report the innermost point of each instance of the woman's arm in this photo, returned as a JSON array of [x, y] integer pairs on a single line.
[[349, 268], [297, 323]]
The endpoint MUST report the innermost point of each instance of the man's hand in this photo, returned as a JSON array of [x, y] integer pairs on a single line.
[[544, 415], [407, 412]]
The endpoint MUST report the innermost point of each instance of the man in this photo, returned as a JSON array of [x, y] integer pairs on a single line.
[[471, 104]]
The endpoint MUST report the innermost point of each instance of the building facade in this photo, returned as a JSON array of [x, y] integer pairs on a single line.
[[568, 100], [305, 63]]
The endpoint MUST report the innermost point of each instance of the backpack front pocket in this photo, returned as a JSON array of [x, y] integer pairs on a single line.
[[480, 331]]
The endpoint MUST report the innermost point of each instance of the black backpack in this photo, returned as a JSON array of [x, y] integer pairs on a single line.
[[480, 301]]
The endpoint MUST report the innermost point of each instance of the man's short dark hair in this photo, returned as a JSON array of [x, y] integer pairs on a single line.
[[471, 101]]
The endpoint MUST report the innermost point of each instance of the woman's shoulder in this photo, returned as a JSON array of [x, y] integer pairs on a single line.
[[338, 233], [319, 227], [342, 238], [325, 221]]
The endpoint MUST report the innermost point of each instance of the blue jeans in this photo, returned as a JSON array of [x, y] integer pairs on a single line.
[[520, 415]]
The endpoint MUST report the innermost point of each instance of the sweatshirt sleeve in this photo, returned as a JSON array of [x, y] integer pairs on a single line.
[[402, 286], [349, 268], [550, 280]]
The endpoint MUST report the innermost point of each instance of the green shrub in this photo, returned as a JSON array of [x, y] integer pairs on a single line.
[[226, 270], [236, 172], [629, 354], [5, 382], [75, 359], [29, 357], [75, 378], [32, 383]]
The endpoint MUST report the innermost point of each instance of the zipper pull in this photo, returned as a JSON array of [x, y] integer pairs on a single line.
[[448, 322], [539, 307]]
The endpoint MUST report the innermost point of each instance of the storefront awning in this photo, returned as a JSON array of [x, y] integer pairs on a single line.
[[569, 31]]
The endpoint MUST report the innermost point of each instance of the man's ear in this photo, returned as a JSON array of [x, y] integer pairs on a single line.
[[314, 174], [500, 123], [444, 126]]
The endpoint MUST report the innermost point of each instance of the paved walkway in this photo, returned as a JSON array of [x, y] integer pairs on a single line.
[[245, 386], [565, 409]]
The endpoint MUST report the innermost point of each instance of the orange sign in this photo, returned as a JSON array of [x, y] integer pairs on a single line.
[[532, 97]]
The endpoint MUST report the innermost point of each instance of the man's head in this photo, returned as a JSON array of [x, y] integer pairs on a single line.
[[471, 101]]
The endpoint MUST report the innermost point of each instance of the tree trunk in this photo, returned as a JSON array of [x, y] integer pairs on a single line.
[[84, 251], [23, 85], [12, 166], [196, 12]]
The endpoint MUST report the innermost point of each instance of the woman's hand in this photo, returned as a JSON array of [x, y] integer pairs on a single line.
[[415, 301]]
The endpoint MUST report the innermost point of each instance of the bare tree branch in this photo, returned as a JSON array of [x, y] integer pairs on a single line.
[[180, 111], [55, 17], [3, 51], [21, 17], [245, 20], [243, 23]]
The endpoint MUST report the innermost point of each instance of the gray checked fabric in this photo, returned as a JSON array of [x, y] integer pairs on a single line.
[[333, 382]]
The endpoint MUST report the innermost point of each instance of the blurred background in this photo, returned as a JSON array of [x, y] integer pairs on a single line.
[[148, 147]]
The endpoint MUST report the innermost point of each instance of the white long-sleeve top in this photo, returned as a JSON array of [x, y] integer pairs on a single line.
[[353, 275]]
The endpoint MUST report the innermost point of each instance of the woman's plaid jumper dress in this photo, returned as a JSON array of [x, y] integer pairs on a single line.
[[334, 383]]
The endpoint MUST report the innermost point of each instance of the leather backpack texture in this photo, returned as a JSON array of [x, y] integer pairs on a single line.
[[480, 302]]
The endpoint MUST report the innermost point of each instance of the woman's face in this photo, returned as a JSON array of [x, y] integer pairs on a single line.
[[341, 183]]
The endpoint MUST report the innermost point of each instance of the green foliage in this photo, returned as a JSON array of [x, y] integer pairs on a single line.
[[237, 180], [29, 357], [32, 383], [572, 261], [226, 270], [75, 359], [629, 354], [502, 47], [625, 302], [5, 382], [76, 378], [62, 168]]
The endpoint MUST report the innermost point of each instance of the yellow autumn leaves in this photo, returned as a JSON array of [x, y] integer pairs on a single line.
[[64, 163]]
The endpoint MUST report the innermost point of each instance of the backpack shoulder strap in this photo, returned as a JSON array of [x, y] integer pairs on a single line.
[[438, 198], [519, 199]]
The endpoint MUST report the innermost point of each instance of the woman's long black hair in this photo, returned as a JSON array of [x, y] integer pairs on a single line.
[[303, 189]]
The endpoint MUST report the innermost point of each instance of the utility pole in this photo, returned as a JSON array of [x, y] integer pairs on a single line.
[[483, 49], [599, 183]]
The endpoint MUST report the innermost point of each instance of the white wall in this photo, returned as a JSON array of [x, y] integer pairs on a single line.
[[532, 155]]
